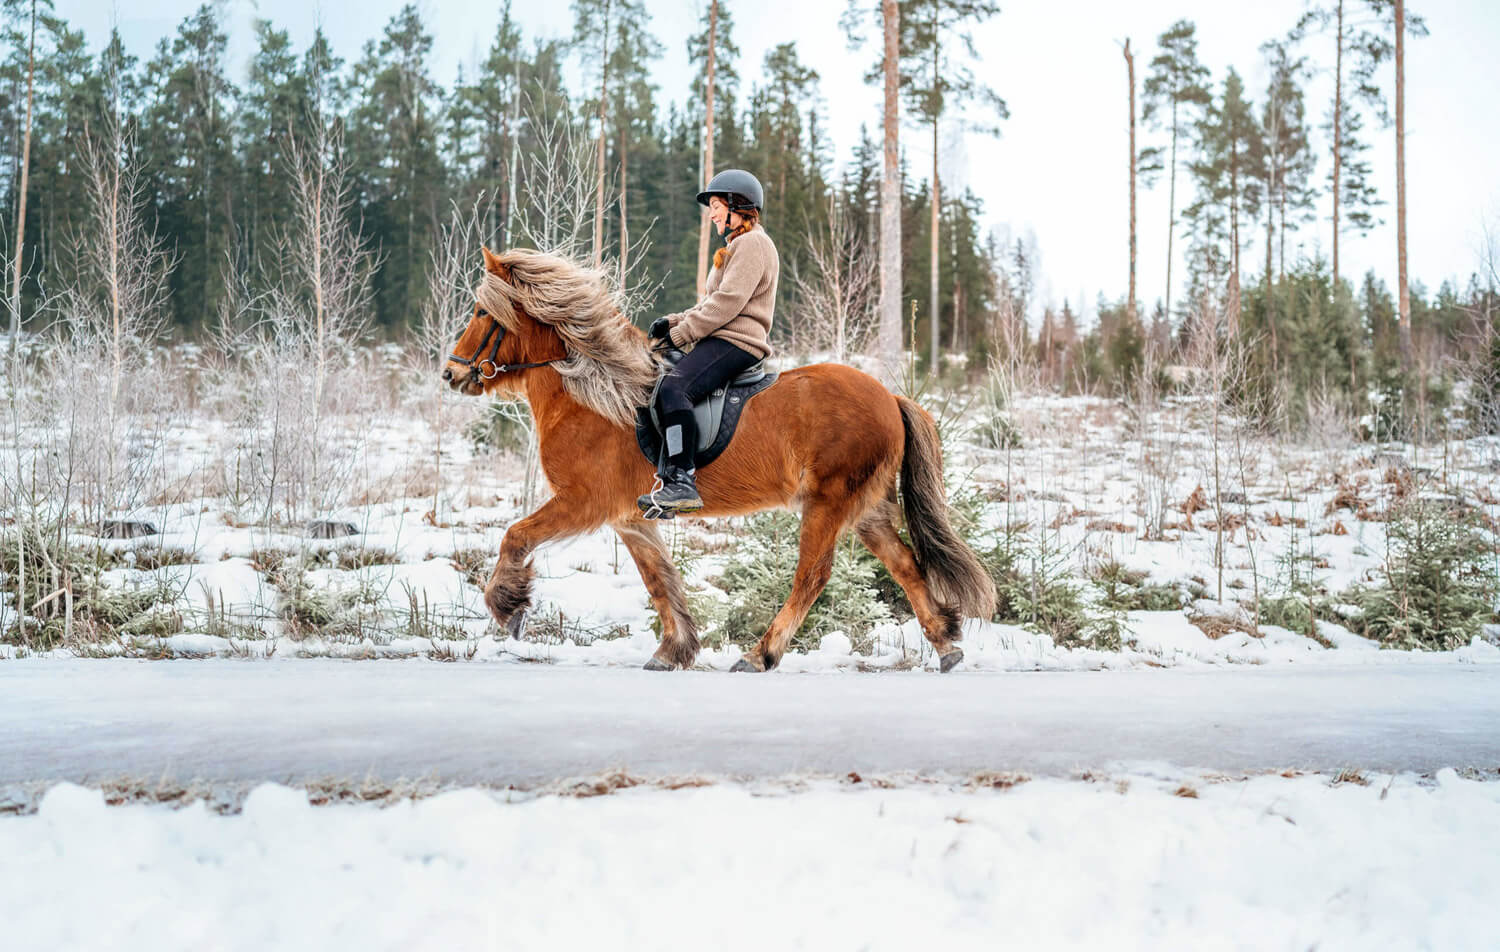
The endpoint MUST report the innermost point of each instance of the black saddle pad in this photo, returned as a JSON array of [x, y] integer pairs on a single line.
[[733, 401]]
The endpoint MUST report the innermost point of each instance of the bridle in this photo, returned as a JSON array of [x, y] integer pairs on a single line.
[[475, 363]]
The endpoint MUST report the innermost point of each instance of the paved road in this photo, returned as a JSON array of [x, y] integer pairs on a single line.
[[239, 721]]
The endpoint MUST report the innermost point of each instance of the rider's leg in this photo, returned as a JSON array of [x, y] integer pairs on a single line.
[[711, 365]]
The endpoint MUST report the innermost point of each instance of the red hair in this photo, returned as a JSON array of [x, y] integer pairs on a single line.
[[748, 219]]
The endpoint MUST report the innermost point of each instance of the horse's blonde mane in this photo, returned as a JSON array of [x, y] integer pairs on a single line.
[[608, 368]]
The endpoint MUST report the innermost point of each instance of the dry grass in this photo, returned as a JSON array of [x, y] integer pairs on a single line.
[[1347, 496], [995, 780]]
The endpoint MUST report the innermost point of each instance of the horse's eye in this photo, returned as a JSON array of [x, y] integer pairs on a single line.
[[482, 313]]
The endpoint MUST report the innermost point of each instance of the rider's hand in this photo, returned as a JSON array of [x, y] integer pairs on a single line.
[[660, 328]]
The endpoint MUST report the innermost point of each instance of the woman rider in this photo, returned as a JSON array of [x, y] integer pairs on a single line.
[[728, 330]]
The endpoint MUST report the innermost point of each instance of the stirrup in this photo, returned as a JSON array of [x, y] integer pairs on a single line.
[[651, 510], [649, 507]]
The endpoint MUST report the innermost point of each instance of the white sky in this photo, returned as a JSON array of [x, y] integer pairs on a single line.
[[1059, 169]]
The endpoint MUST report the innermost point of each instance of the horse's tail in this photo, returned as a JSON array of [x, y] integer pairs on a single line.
[[953, 572]]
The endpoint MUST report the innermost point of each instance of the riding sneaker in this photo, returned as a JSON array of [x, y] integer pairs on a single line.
[[677, 492]]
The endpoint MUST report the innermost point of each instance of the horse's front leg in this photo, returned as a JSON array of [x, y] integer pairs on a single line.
[[679, 633], [508, 592]]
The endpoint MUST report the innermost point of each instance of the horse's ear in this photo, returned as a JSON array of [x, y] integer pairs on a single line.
[[491, 261]]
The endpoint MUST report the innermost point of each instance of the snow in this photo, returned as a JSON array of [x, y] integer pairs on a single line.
[[1160, 859], [1086, 469]]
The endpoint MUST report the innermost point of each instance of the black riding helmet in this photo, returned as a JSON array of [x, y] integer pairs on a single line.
[[738, 187]]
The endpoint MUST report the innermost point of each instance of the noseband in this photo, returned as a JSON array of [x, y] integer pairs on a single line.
[[491, 339]]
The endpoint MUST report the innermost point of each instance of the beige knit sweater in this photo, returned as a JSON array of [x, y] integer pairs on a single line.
[[740, 298]]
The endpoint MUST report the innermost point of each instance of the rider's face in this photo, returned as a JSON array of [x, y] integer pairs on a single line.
[[719, 213]]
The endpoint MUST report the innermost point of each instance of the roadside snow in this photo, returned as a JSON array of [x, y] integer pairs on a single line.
[[1144, 861]]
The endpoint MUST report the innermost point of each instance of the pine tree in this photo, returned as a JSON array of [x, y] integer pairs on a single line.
[[1176, 87], [597, 28], [488, 110], [1130, 299], [714, 86], [1289, 163], [1360, 33], [937, 49], [633, 111], [1227, 170], [886, 15], [393, 146], [187, 144], [273, 110]]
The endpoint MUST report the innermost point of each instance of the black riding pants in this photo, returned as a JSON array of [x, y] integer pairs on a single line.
[[711, 364]]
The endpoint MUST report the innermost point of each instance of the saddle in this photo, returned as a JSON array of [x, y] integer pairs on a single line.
[[717, 414]]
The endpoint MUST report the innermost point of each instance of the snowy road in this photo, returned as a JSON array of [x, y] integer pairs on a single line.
[[528, 724]]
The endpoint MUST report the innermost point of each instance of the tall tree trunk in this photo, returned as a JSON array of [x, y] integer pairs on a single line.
[[1405, 290], [15, 287], [1338, 137], [1130, 73], [599, 180], [1234, 237], [932, 297], [624, 189], [890, 196], [937, 208], [1171, 206], [708, 144], [1270, 284], [953, 266], [515, 146], [1281, 250]]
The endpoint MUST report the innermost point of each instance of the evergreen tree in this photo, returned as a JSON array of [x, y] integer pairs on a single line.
[[1227, 171], [273, 110], [393, 147], [936, 52], [713, 88], [1289, 163], [187, 146], [633, 113], [492, 103], [1175, 87]]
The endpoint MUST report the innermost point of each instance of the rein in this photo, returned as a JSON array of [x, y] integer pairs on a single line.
[[476, 363]]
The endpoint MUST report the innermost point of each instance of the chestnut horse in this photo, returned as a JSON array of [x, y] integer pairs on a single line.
[[827, 440]]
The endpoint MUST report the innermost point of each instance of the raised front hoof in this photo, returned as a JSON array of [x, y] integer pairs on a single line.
[[744, 664], [516, 625], [950, 660], [656, 664]]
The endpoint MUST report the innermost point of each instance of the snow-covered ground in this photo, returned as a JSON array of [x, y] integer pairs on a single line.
[[1137, 807], [1160, 860], [1091, 486]]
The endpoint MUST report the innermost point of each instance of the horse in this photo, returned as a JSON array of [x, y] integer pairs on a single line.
[[827, 439]]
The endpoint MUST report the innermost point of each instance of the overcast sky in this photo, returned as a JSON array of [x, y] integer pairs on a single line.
[[1059, 169]]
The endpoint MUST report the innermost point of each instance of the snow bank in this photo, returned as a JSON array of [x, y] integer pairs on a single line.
[[1144, 861]]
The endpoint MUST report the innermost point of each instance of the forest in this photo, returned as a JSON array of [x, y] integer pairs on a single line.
[[209, 175]]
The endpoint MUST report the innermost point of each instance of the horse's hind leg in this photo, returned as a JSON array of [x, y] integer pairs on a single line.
[[939, 623], [679, 633], [822, 522]]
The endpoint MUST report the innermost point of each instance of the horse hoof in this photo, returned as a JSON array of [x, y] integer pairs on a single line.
[[517, 624], [743, 665], [656, 664], [948, 661]]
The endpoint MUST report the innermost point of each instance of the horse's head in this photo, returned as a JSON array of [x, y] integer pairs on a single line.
[[500, 337]]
